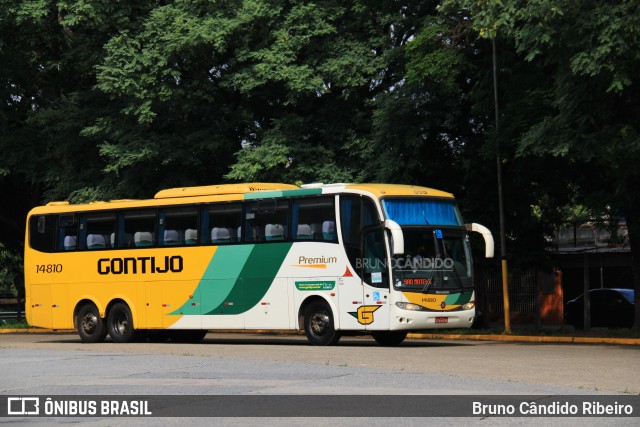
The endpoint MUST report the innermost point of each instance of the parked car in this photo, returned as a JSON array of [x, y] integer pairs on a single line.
[[610, 308]]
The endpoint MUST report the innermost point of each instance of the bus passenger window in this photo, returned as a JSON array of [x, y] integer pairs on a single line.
[[314, 219], [67, 232], [96, 230], [141, 224], [222, 222], [42, 233], [266, 220], [174, 222]]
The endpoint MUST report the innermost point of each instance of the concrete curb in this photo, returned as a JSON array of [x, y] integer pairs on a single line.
[[36, 331], [462, 337], [531, 339]]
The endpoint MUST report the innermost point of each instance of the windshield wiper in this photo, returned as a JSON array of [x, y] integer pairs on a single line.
[[425, 218], [429, 282]]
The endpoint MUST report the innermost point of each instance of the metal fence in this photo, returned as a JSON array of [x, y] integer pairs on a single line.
[[10, 314], [522, 290]]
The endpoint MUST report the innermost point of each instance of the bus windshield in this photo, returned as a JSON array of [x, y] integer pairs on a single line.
[[436, 260], [437, 256], [414, 211]]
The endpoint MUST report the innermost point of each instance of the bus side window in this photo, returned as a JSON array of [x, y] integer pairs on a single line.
[[356, 213], [221, 223], [42, 232], [67, 233], [174, 222], [266, 220], [141, 224], [96, 230], [313, 218]]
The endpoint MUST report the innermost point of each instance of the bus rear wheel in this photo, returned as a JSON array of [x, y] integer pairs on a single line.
[[389, 338], [318, 324], [90, 325], [120, 324]]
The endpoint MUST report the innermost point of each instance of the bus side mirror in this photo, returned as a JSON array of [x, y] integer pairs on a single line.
[[397, 238], [486, 234]]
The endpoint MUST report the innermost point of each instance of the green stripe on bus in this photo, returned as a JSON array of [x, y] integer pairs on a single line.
[[283, 193], [255, 279], [458, 299], [218, 280]]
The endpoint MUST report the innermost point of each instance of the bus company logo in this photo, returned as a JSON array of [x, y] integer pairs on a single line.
[[364, 314], [140, 265], [23, 406], [315, 262]]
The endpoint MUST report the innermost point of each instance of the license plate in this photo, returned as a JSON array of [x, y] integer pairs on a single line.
[[442, 319]]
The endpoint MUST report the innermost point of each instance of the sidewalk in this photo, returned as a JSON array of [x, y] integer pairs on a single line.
[[516, 337]]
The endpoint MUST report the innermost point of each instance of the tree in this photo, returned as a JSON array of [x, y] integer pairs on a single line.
[[591, 50], [289, 86], [450, 89], [48, 54]]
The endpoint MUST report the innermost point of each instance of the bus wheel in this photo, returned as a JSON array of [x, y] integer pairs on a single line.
[[318, 324], [120, 323], [389, 338], [90, 326]]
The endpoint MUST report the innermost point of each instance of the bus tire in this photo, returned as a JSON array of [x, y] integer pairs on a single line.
[[120, 324], [319, 325], [90, 325], [389, 338]]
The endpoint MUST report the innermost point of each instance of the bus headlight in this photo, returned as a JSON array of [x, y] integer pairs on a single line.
[[469, 305], [409, 306]]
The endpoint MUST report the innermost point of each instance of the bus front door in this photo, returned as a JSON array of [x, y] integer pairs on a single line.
[[374, 313]]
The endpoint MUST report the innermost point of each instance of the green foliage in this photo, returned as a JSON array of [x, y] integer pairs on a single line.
[[13, 324], [10, 272], [433, 55], [590, 50], [106, 99]]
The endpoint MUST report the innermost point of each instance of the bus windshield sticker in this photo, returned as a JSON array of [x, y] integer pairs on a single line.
[[438, 233], [376, 277]]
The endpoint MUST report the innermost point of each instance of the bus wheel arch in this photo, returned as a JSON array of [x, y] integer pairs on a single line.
[[319, 322], [120, 322], [86, 319]]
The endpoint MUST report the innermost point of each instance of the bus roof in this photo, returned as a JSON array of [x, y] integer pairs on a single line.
[[210, 190], [382, 190], [246, 191]]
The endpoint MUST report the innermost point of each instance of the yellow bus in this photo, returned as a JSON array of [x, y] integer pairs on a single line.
[[332, 259]]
